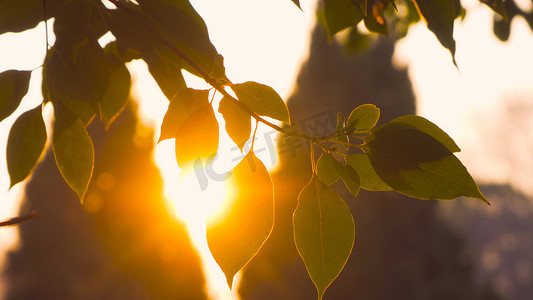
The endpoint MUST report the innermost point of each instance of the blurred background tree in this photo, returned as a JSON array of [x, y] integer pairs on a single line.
[[122, 243]]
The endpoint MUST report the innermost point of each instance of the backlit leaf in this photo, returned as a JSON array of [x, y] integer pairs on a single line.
[[20, 15], [418, 165], [25, 144], [115, 99], [235, 237], [167, 75], [262, 99], [351, 179], [324, 233], [369, 179], [363, 118], [439, 16], [73, 150], [430, 128], [13, 87], [238, 124], [328, 168], [180, 109], [340, 14], [197, 136]]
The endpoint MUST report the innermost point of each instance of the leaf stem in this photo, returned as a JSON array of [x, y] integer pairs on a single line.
[[312, 154]]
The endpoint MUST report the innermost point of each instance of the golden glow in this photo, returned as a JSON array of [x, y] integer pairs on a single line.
[[195, 207]]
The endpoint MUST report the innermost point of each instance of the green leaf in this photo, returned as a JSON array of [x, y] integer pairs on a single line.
[[237, 235], [238, 125], [369, 179], [418, 165], [374, 20], [73, 150], [262, 99], [13, 87], [21, 15], [340, 125], [115, 99], [25, 144], [191, 121], [363, 118], [324, 233], [429, 128], [340, 14], [328, 168], [439, 16], [351, 179]]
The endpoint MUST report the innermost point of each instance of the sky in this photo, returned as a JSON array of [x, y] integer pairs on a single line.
[[466, 102]]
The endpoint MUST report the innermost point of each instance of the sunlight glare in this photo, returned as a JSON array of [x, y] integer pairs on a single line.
[[195, 207]]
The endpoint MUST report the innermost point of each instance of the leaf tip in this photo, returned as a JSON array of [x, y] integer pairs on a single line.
[[229, 279]]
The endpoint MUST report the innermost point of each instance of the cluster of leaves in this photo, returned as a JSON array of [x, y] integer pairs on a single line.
[[384, 16], [84, 80]]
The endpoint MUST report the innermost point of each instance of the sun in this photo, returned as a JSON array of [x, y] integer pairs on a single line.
[[194, 200]]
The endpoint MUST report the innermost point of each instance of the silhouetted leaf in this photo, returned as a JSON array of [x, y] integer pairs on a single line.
[[76, 21], [351, 179], [328, 168], [120, 51], [180, 109], [238, 124], [340, 124], [115, 98], [262, 99], [236, 237], [340, 14], [20, 15], [79, 81], [501, 29], [297, 3], [418, 165], [374, 20], [146, 27], [429, 128], [13, 87], [363, 118], [25, 144], [497, 6], [324, 233], [439, 16], [369, 180], [73, 150]]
